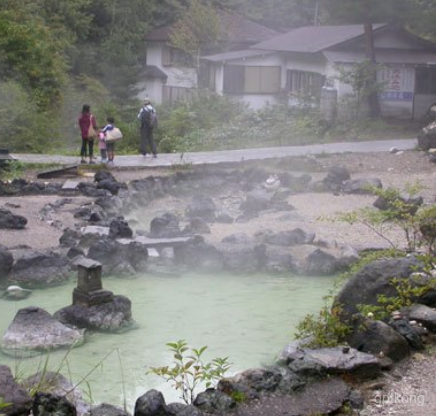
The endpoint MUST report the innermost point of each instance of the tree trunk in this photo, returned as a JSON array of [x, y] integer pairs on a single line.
[[373, 102]]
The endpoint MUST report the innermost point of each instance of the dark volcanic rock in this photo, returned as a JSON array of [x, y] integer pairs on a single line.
[[10, 221]]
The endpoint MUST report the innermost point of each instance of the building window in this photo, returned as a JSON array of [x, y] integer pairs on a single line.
[[240, 79], [303, 82], [425, 80], [172, 56]]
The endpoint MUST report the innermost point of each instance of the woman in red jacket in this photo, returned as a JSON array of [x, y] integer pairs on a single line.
[[85, 121]]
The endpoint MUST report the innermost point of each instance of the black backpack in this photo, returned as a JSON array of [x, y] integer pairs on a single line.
[[148, 118]]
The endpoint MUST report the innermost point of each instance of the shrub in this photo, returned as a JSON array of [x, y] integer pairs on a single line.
[[189, 370]]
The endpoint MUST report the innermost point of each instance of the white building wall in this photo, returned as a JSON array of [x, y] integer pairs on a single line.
[[180, 77]]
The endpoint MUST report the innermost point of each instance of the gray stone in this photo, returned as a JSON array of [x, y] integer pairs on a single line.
[[212, 400], [422, 314], [337, 360], [18, 399], [378, 338], [152, 403], [361, 186], [202, 207], [34, 331], [34, 269], [10, 221], [114, 315]]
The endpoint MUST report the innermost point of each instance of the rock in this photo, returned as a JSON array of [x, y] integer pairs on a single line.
[[114, 315], [320, 263], [373, 280], [6, 262], [46, 404], [16, 397], [14, 292], [196, 225], [338, 361], [166, 225], [336, 176], [422, 314], [361, 186], [201, 207], [152, 403], [243, 258], [111, 185], [57, 385], [377, 337], [290, 237], [102, 175], [123, 256], [34, 331], [408, 332], [409, 203], [212, 401], [105, 409], [119, 228], [199, 256], [34, 269], [10, 221], [257, 200], [180, 409]]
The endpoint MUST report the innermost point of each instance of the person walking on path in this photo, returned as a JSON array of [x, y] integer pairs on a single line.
[[88, 129], [148, 121], [110, 146]]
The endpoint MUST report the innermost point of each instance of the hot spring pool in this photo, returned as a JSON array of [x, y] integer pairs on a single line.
[[247, 318]]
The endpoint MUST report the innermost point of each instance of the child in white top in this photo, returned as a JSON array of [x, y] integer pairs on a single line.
[[102, 147], [110, 146]]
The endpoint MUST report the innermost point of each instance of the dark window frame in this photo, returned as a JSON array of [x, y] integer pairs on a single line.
[[304, 82], [425, 80], [236, 79]]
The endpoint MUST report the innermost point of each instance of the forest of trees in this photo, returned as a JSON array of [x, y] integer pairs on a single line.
[[57, 54]]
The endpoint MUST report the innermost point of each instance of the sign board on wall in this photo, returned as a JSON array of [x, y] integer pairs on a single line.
[[399, 83]]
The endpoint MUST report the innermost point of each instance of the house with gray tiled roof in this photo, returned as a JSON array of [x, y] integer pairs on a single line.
[[304, 60], [165, 78]]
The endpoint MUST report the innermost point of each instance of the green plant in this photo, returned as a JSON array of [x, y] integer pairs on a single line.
[[238, 396], [13, 169], [400, 214], [189, 370], [408, 290], [324, 330]]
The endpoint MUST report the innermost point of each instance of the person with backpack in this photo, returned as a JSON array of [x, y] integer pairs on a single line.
[[88, 129], [148, 122]]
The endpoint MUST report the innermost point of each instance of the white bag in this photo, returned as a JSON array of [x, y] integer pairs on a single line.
[[114, 135]]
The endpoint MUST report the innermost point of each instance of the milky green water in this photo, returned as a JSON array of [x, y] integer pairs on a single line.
[[247, 318]]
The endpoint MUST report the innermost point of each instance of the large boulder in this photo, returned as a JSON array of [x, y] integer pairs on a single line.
[[47, 404], [422, 314], [34, 331], [52, 386], [167, 225], [339, 361], [122, 256], [373, 280], [33, 269], [114, 315], [6, 262], [377, 338], [243, 258], [17, 398], [201, 207], [290, 237], [199, 256], [152, 403]]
